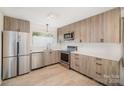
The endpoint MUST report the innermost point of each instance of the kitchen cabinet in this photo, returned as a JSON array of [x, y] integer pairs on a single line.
[[58, 54], [75, 62], [13, 24], [24, 26], [47, 59], [83, 66], [97, 34], [102, 70], [60, 35], [37, 60], [112, 21], [50, 57], [90, 67], [99, 69], [104, 27], [77, 29], [111, 72], [54, 57], [83, 34]]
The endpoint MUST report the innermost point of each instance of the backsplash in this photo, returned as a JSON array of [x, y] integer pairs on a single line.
[[105, 49]]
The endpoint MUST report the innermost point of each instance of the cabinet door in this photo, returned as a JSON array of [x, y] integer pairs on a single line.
[[22, 26], [83, 64], [75, 62], [99, 70], [114, 73], [97, 28], [47, 59], [92, 66], [11, 24], [53, 57], [77, 30], [72, 63], [57, 56], [27, 26], [60, 35], [85, 32], [112, 26]]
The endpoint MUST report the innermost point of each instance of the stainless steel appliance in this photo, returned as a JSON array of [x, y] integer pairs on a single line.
[[122, 62], [16, 59], [69, 36], [65, 55], [36, 60]]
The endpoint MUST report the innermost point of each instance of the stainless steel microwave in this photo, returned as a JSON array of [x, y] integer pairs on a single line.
[[69, 36]]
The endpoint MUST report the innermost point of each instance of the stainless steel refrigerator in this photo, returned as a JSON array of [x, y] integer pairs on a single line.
[[16, 60], [122, 62]]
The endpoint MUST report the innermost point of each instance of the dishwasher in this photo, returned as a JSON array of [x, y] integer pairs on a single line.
[[36, 60]]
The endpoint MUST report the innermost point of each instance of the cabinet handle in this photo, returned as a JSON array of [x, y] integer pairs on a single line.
[[98, 64], [98, 73], [98, 59], [76, 54], [77, 65], [101, 40], [76, 58], [122, 62]]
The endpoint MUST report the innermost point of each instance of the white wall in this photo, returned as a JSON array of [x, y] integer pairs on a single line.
[[103, 50], [1, 28]]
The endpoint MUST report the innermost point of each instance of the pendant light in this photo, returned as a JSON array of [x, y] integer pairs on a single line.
[[47, 27]]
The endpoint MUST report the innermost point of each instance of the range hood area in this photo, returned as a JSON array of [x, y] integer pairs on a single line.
[[92, 48]]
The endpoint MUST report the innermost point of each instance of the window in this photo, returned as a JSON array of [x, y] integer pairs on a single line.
[[42, 39]]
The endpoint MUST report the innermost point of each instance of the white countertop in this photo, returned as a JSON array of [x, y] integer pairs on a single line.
[[104, 55]]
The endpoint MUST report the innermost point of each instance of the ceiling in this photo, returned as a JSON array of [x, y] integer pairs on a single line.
[[62, 15]]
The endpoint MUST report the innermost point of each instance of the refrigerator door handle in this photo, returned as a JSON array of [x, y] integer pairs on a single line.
[[122, 62], [17, 48]]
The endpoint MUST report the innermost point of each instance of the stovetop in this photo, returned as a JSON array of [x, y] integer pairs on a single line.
[[69, 49]]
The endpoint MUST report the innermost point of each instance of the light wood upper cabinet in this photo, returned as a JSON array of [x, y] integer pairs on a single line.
[[112, 32], [104, 27], [97, 34], [24, 26], [85, 32], [77, 29], [13, 24]]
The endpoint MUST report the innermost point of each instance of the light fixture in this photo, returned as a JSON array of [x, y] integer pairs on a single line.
[[47, 27], [51, 16]]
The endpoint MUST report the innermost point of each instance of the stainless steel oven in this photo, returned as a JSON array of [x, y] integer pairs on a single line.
[[65, 55]]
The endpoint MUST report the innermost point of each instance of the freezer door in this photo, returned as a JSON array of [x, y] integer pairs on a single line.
[[9, 43], [23, 43], [9, 67], [24, 64]]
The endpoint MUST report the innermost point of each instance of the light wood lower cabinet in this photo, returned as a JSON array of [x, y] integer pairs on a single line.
[[102, 70], [50, 57], [99, 69], [75, 62]]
